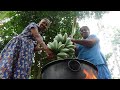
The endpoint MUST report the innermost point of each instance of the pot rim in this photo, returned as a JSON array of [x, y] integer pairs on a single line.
[[80, 60]]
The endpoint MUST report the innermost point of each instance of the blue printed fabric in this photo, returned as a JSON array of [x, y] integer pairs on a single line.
[[19, 50]]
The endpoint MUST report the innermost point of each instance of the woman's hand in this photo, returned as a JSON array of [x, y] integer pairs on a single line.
[[37, 48], [49, 53]]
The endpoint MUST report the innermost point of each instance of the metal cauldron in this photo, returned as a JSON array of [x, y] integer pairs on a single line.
[[69, 69]]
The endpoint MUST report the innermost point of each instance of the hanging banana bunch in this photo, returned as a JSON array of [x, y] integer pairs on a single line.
[[62, 47]]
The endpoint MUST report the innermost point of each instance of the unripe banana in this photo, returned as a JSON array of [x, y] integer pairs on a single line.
[[70, 46], [67, 42], [65, 37], [60, 38], [64, 50]]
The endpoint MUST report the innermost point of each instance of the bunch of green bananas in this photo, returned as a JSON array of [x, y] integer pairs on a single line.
[[62, 47]]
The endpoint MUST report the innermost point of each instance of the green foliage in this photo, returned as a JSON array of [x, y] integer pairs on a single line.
[[116, 39], [4, 14], [108, 56], [95, 14]]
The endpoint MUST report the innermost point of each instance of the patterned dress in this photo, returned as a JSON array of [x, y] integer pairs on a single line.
[[17, 56]]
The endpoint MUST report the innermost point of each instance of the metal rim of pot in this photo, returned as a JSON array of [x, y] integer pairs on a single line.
[[81, 60]]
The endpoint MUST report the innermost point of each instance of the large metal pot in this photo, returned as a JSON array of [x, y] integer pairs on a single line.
[[69, 69]]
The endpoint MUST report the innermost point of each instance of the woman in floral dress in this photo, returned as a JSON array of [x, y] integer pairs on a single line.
[[17, 56]]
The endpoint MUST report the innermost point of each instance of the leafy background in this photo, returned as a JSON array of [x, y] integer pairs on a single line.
[[13, 23]]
